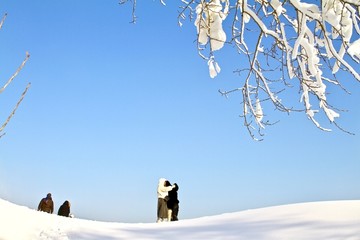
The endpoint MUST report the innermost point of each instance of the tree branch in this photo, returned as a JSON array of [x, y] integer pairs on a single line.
[[14, 110]]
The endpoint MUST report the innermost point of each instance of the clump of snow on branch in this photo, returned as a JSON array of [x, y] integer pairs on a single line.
[[308, 41], [209, 23], [209, 20], [259, 112], [277, 5], [214, 68], [354, 50]]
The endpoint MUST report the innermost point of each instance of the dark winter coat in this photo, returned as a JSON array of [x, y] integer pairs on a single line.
[[173, 197], [46, 205], [64, 209]]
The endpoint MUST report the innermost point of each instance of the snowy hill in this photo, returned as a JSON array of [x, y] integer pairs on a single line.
[[316, 220]]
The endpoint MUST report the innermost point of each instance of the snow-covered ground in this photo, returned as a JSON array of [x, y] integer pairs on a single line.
[[315, 220]]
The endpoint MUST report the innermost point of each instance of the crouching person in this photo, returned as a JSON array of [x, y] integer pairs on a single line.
[[64, 209]]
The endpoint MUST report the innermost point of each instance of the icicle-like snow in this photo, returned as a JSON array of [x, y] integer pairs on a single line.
[[214, 68], [258, 111], [331, 114]]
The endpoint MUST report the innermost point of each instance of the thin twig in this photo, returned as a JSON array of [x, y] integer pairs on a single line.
[[16, 73], [15, 108]]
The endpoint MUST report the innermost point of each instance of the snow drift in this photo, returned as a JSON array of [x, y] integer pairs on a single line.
[[315, 220]]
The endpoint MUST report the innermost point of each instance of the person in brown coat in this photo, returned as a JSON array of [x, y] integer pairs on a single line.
[[64, 209], [46, 204]]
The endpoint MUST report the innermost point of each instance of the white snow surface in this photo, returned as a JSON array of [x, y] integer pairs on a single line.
[[314, 220]]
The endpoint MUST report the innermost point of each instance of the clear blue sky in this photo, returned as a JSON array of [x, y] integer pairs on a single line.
[[115, 106]]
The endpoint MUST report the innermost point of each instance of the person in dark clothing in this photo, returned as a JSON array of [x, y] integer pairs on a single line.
[[64, 209], [46, 204], [173, 204]]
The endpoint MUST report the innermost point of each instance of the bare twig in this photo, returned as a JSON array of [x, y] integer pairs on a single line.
[[14, 110], [16, 73], [3, 20]]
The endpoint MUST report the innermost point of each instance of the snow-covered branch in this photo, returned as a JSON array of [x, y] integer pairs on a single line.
[[14, 110], [285, 44], [307, 41], [133, 12], [16, 72], [3, 20], [2, 89]]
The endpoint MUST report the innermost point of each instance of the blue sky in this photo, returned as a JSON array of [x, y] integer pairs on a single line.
[[115, 106]]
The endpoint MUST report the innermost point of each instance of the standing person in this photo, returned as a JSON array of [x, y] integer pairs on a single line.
[[46, 204], [173, 204], [162, 193], [64, 209]]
